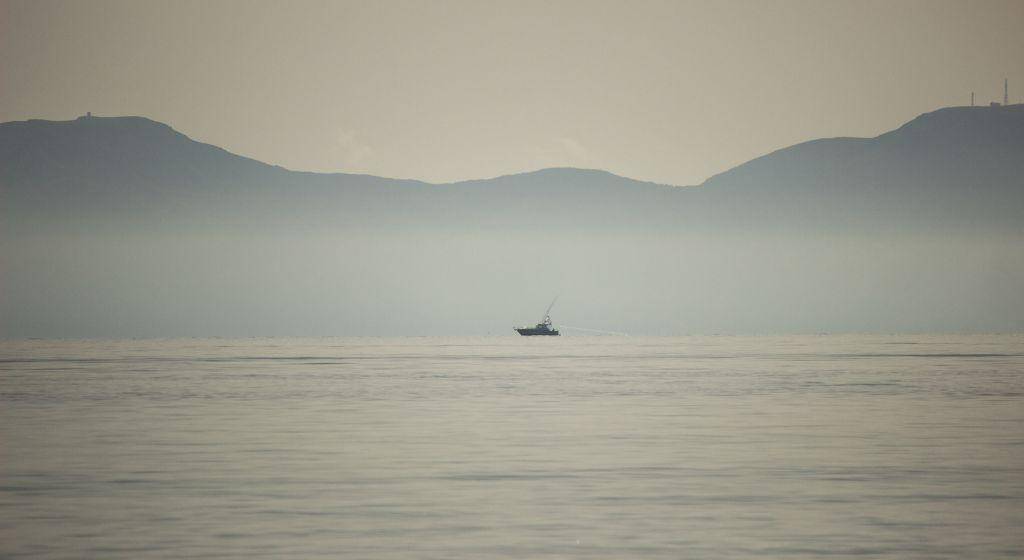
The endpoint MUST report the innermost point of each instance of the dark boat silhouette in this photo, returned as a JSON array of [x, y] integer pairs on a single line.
[[542, 328]]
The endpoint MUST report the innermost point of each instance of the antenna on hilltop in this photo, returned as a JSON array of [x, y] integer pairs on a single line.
[[1006, 91], [972, 99]]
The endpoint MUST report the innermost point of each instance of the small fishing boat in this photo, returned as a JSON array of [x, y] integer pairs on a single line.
[[542, 328]]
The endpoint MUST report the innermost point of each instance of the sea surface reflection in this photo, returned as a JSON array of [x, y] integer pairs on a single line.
[[502, 447]]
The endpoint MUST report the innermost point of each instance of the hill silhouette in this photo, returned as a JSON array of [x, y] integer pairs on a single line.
[[122, 226], [953, 167]]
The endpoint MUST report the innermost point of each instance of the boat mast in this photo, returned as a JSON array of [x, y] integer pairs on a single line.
[[547, 317]]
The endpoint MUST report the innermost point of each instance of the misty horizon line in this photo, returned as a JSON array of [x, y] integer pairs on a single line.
[[737, 334], [90, 115]]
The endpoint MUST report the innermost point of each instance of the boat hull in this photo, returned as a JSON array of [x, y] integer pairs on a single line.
[[534, 331]]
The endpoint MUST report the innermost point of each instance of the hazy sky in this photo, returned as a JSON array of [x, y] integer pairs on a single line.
[[665, 91]]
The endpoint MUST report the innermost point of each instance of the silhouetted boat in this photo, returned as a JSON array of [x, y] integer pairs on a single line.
[[542, 328]]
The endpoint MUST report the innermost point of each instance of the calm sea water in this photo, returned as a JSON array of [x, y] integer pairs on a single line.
[[502, 447]]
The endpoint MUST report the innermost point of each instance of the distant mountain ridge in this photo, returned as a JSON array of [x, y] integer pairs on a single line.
[[124, 227], [952, 165], [934, 145], [958, 165]]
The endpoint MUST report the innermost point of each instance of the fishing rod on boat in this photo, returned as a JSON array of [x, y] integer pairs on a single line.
[[547, 312]]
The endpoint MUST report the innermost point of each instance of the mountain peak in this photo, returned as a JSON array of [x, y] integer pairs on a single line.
[[569, 174], [961, 120], [93, 153], [969, 146], [124, 123]]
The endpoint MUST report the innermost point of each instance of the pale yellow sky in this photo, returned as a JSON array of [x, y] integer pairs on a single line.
[[664, 91]]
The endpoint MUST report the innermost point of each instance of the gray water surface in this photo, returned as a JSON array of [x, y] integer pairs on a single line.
[[502, 447]]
